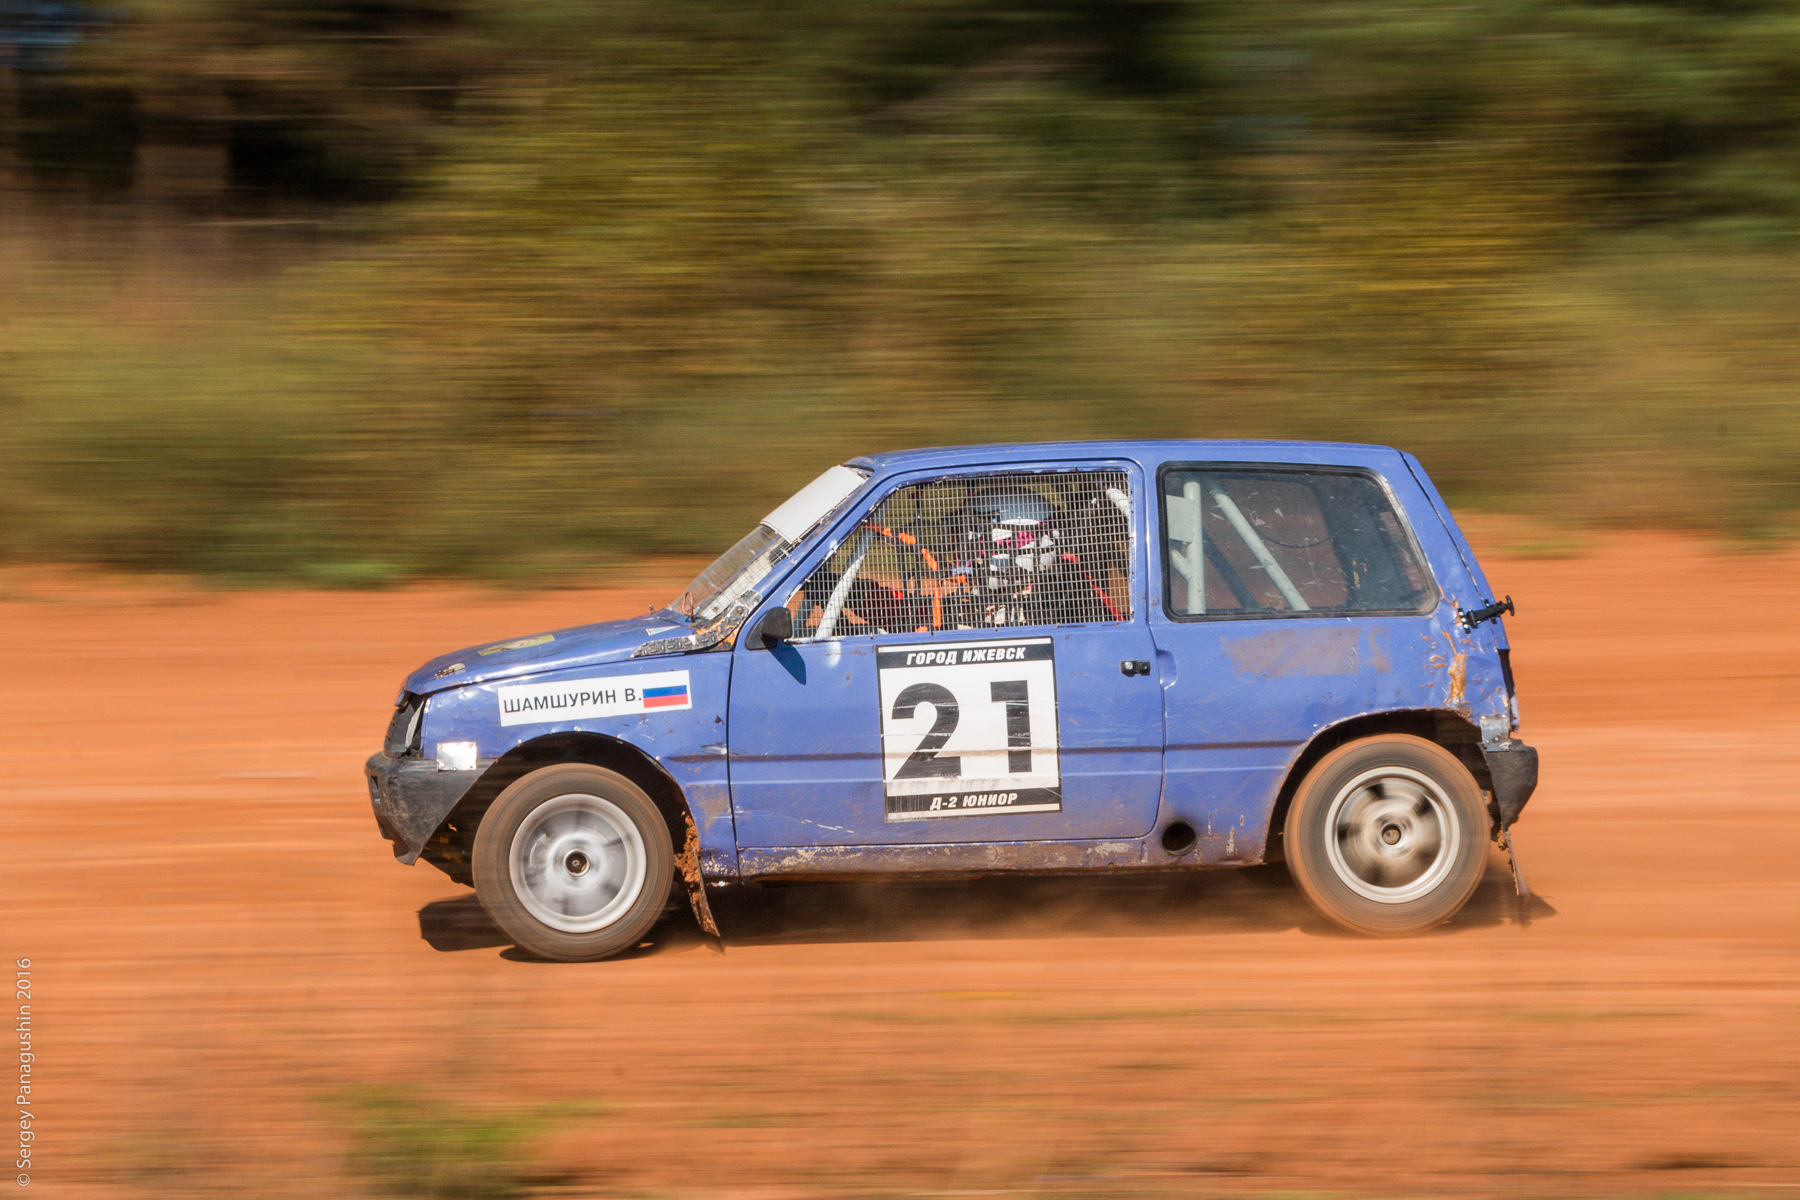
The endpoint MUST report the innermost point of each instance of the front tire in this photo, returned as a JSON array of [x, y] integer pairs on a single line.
[[573, 862], [1388, 835]]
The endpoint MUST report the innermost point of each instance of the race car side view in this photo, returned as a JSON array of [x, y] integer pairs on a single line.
[[1026, 658]]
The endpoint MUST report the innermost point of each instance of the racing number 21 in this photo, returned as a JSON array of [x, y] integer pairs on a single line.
[[991, 747], [925, 762]]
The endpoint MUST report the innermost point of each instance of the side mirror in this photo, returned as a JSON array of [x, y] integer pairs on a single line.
[[777, 625]]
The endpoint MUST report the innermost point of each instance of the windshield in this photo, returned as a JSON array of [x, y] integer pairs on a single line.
[[735, 572]]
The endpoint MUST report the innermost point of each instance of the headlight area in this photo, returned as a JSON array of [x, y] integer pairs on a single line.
[[411, 794], [403, 730]]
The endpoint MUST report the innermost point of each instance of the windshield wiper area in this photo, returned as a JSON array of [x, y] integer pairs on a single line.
[[707, 636]]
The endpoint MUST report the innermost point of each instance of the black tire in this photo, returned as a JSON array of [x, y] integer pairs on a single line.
[[593, 857], [1388, 835]]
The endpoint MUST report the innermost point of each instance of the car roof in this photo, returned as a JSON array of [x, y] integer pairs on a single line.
[[1146, 452]]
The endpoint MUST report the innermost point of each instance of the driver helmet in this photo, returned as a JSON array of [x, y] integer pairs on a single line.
[[1009, 535]]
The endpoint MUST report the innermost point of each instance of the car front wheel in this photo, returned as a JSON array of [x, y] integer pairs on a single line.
[[1388, 835], [573, 862]]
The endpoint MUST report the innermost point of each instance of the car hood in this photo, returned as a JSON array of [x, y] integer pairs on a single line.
[[580, 646]]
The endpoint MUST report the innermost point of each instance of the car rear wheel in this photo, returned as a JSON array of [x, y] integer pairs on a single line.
[[573, 862], [1388, 835]]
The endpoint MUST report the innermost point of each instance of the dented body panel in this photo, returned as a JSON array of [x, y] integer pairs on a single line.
[[1161, 722], [687, 740]]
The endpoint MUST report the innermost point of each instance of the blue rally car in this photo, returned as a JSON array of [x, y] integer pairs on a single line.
[[1104, 656]]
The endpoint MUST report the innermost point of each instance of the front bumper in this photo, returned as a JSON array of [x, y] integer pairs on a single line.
[[1513, 766], [411, 798]]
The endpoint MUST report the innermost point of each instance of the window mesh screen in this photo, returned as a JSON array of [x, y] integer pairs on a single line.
[[978, 552]]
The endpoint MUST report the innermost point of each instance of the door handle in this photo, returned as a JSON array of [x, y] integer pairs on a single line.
[[1134, 666]]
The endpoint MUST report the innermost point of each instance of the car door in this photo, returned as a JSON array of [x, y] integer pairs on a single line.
[[1289, 593], [955, 674]]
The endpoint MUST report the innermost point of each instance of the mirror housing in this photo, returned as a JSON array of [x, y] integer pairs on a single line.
[[777, 625]]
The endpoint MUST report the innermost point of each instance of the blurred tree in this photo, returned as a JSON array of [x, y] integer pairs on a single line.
[[332, 101], [626, 248], [1676, 109], [78, 134]]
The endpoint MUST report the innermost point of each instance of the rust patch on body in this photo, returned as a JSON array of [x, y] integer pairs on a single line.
[[688, 863], [1287, 652], [1456, 664]]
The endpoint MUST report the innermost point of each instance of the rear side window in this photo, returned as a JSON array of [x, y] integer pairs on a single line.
[[1247, 542]]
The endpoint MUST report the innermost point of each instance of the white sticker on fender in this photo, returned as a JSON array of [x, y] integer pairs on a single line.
[[579, 699], [968, 729]]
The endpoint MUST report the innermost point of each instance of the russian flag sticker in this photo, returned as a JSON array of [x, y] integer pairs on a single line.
[[673, 696]]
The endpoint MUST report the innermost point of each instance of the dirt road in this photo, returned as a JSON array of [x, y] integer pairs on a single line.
[[236, 991]]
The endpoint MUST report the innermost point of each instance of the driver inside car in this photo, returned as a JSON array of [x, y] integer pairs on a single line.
[[1000, 555]]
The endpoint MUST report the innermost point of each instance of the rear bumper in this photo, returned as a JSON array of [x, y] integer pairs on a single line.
[[411, 798], [1513, 766]]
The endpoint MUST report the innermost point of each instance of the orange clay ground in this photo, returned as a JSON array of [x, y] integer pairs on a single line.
[[226, 958]]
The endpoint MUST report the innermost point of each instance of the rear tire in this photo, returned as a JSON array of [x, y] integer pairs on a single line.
[[1388, 835], [573, 862]]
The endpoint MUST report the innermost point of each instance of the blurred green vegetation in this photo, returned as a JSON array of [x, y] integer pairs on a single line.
[[408, 1146], [467, 287]]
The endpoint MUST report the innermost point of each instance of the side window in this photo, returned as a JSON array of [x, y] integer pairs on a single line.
[[978, 552], [1241, 542]]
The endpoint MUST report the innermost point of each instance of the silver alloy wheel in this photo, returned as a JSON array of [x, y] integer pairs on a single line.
[[1392, 835], [578, 863]]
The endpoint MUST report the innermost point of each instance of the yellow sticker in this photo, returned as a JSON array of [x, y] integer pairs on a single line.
[[519, 644]]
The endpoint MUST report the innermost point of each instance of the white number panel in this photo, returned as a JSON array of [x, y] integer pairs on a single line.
[[968, 729]]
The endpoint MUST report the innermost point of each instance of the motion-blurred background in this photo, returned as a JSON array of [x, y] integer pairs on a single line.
[[350, 291], [448, 292]]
